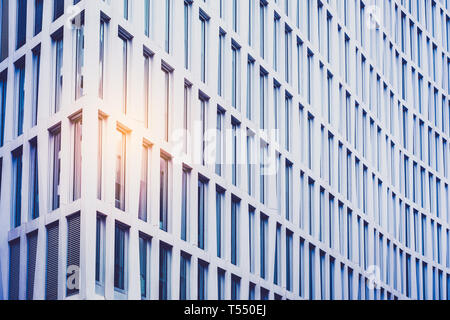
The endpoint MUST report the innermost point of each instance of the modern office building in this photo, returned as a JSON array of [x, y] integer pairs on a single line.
[[224, 149]]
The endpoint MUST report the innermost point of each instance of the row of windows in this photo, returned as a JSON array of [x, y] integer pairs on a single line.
[[389, 271], [401, 227], [58, 8], [384, 211], [349, 144], [422, 284], [439, 113]]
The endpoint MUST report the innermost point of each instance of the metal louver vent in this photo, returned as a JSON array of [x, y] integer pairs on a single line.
[[51, 281], [73, 252], [14, 269], [31, 263]]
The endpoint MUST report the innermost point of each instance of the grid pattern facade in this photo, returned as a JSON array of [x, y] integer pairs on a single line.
[[212, 149]]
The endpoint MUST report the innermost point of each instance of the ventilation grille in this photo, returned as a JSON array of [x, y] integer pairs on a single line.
[[14, 269], [51, 282], [31, 267], [73, 252]]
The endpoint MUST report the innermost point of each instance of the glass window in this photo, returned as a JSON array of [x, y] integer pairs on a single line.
[[235, 203], [264, 221], [58, 9], [77, 154], [164, 194], [185, 203], [21, 23], [20, 97], [185, 261], [235, 287], [144, 267], [79, 58], [202, 280], [34, 180], [164, 271], [201, 217], [17, 187], [120, 253], [55, 171], [121, 144], [58, 73], [38, 11], [144, 185]]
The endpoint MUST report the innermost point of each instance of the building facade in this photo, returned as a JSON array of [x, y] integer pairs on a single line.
[[212, 149]]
